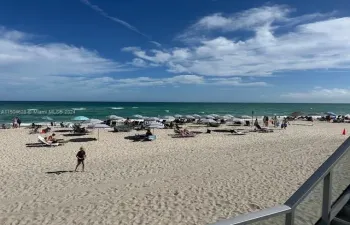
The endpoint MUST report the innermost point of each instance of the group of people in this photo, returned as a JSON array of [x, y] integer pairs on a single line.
[[274, 121], [16, 122]]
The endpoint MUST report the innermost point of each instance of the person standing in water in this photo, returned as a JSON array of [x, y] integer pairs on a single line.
[[81, 155]]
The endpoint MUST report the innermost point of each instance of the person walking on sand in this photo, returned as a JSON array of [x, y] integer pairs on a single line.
[[81, 155]]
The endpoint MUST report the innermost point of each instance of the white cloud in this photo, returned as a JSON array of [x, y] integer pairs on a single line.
[[20, 58], [137, 62], [310, 45], [184, 79], [319, 94]]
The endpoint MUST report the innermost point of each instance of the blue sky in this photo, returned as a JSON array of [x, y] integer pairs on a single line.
[[183, 50]]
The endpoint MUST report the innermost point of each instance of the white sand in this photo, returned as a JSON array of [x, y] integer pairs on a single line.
[[168, 181]]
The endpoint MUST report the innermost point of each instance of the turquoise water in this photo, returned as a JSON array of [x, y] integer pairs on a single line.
[[65, 111]]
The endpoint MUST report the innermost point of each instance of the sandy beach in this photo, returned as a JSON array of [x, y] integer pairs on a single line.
[[196, 180]]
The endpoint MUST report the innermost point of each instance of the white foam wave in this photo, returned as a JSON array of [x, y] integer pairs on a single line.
[[32, 109], [135, 107], [77, 109], [166, 110], [117, 108]]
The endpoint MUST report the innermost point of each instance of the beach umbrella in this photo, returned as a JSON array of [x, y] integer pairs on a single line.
[[155, 126], [177, 116], [98, 126], [245, 117], [189, 117], [296, 114], [196, 116], [80, 118], [138, 116], [209, 117], [331, 114], [115, 117], [208, 121], [169, 118], [152, 119]]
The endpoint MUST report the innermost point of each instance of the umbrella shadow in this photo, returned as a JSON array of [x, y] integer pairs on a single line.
[[35, 145], [60, 172], [61, 131], [82, 139], [75, 135], [134, 138]]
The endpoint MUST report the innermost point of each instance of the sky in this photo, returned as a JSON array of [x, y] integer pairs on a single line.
[[175, 50]]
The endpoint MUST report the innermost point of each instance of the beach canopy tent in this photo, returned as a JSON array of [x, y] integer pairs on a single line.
[[115, 117], [169, 118], [296, 114], [80, 118]]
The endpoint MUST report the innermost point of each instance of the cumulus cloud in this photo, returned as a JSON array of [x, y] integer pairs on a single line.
[[20, 58], [312, 42], [319, 94]]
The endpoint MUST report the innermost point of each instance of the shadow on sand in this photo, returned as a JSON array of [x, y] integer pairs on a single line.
[[82, 139], [60, 172], [75, 135]]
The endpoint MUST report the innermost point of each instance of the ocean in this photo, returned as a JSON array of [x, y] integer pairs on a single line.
[[65, 111]]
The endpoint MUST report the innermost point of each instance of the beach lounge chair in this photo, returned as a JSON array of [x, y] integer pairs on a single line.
[[183, 135], [43, 141], [262, 130], [235, 132], [35, 130]]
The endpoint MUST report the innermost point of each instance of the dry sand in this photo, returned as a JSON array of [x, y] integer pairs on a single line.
[[168, 181]]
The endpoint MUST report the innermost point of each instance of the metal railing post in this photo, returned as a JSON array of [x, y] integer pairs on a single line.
[[290, 217], [327, 199]]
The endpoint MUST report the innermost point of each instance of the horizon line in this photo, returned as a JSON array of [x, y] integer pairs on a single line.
[[238, 102]]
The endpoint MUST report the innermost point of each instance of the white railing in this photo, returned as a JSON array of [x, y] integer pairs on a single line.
[[317, 201]]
